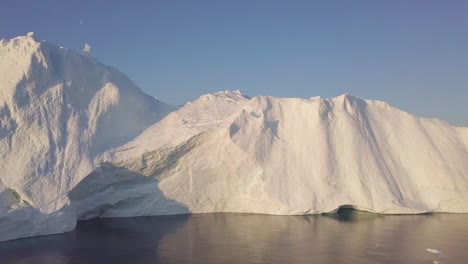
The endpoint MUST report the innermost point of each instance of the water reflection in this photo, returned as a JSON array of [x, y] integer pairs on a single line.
[[106, 240], [245, 238], [344, 239]]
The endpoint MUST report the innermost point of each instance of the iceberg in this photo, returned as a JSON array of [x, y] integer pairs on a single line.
[[59, 111], [79, 140], [287, 156]]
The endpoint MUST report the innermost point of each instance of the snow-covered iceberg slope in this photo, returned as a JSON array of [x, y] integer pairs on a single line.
[[227, 153], [59, 111]]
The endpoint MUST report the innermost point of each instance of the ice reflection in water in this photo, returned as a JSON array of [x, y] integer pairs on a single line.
[[245, 238]]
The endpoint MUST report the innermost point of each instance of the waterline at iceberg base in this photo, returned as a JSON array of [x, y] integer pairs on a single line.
[[78, 140], [251, 238]]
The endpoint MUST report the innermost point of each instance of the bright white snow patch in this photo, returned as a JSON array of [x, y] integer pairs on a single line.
[[87, 49]]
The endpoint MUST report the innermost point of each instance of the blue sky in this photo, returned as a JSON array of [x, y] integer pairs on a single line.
[[412, 54]]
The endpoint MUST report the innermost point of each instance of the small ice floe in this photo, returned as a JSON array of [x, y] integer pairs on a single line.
[[434, 251], [435, 262]]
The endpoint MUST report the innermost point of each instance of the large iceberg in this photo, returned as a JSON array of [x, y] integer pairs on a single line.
[[59, 111], [78, 140], [227, 153]]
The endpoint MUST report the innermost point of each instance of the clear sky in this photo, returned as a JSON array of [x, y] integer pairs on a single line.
[[411, 53]]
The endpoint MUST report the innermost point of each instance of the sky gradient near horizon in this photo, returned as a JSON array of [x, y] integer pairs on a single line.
[[411, 54]]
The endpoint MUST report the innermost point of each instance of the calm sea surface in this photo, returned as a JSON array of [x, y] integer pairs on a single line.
[[245, 238]]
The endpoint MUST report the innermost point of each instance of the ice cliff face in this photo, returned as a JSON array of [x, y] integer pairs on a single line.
[[59, 111], [226, 153], [78, 140]]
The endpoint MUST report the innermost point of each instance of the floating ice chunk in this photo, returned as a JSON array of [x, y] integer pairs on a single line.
[[434, 251]]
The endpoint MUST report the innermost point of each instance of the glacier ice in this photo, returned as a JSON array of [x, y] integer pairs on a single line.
[[59, 111], [293, 156], [79, 140]]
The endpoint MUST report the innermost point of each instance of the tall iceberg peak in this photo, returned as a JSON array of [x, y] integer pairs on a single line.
[[59, 112]]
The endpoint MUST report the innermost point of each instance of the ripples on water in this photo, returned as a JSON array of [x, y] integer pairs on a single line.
[[246, 238]]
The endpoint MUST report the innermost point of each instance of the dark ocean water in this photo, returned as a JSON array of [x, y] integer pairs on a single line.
[[246, 238]]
